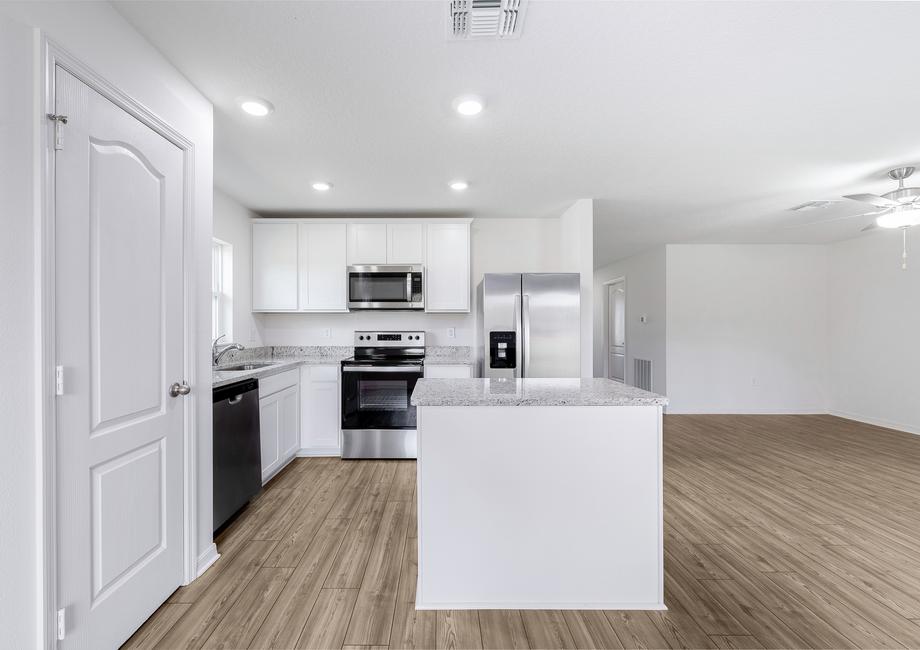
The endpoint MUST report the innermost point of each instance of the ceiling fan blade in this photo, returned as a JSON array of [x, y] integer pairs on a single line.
[[871, 226], [872, 199], [850, 216]]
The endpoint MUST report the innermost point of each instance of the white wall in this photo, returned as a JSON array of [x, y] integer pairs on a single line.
[[874, 322], [19, 494], [747, 328], [576, 255], [645, 295], [103, 40], [498, 246], [232, 225]]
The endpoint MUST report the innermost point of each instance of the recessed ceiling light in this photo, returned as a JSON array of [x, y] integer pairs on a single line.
[[459, 186], [469, 105], [255, 106], [322, 186]]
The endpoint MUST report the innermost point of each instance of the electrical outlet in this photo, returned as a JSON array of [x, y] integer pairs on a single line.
[[252, 334], [327, 332], [451, 332]]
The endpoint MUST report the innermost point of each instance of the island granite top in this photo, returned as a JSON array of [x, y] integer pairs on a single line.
[[531, 392]]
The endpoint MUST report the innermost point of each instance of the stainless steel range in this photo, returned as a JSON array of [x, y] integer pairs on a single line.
[[378, 419]]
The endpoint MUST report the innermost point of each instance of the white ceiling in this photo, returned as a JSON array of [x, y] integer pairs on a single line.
[[687, 121]]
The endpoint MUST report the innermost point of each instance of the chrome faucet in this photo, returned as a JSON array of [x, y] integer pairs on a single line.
[[217, 354]]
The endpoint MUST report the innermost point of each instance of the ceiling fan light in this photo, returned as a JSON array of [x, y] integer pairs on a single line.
[[899, 218]]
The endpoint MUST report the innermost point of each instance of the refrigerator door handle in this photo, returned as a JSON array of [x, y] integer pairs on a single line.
[[518, 370], [525, 343]]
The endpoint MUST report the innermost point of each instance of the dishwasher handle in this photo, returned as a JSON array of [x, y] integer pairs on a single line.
[[234, 393]]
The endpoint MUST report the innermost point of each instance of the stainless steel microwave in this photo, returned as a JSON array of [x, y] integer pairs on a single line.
[[386, 287]]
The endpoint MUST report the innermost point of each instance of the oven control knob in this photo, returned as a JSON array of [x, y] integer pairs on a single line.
[[360, 338]]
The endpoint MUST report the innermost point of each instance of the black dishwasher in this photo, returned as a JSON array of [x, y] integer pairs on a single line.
[[237, 448]]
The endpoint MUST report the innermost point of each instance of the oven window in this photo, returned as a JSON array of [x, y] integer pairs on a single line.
[[382, 395], [377, 287]]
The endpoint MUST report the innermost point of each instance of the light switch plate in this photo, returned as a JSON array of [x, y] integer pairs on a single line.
[[451, 332]]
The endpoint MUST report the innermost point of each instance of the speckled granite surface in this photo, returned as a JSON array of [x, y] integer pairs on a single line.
[[280, 358], [530, 392], [449, 355]]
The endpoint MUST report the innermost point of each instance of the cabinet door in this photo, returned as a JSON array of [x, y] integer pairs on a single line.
[[458, 371], [274, 266], [319, 419], [367, 243], [322, 267], [405, 243], [289, 422], [447, 274], [270, 425]]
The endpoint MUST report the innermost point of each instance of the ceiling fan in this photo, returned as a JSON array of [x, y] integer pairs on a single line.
[[899, 208]]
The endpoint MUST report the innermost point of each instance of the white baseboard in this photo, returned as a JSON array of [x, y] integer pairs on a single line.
[[207, 558], [541, 605], [309, 452], [879, 422], [745, 411]]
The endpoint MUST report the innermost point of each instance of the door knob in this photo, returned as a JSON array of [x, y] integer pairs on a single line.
[[179, 389]]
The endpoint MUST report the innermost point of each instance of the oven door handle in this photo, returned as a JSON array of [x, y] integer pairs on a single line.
[[413, 369]]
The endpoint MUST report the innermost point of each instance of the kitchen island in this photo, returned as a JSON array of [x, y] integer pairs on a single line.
[[539, 494]]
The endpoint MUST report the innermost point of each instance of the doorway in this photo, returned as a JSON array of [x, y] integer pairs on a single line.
[[615, 335], [119, 343]]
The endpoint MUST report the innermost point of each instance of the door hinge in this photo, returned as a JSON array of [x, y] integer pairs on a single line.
[[61, 624], [59, 122], [59, 380]]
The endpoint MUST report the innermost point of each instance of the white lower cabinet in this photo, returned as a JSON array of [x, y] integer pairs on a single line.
[[458, 371], [279, 422], [320, 422]]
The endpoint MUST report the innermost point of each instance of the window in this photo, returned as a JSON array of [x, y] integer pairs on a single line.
[[221, 290]]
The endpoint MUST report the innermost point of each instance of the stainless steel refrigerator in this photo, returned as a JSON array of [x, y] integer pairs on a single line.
[[531, 324]]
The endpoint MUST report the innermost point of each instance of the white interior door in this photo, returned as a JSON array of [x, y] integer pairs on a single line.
[[119, 338], [616, 331]]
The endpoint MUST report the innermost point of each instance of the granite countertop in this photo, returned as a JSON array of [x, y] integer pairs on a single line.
[[279, 358], [285, 357], [531, 392]]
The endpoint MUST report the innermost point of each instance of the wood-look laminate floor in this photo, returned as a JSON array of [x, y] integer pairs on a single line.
[[780, 532]]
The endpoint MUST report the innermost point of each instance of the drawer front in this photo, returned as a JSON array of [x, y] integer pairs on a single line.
[[324, 373], [274, 383]]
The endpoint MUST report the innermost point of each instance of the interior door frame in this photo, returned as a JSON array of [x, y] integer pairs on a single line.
[[606, 338], [52, 56]]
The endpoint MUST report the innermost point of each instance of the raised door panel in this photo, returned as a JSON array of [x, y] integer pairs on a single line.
[[322, 267], [367, 243], [326, 413], [405, 243], [320, 421], [289, 421], [447, 275], [119, 337], [270, 426], [274, 267]]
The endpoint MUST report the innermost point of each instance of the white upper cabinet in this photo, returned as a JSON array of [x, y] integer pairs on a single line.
[[367, 243], [405, 243], [301, 265], [322, 267], [274, 267], [447, 273]]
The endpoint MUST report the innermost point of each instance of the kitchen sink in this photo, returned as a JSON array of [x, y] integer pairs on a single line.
[[255, 365]]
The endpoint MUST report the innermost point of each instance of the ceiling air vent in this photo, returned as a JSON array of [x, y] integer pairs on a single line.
[[471, 19]]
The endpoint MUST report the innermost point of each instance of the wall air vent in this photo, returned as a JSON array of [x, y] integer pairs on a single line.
[[642, 374], [475, 19]]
